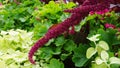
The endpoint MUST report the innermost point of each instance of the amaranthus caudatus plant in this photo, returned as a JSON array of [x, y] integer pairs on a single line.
[[77, 14]]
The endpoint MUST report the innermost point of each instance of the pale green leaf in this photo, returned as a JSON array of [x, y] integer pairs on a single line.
[[3, 32], [22, 19], [2, 64], [90, 52], [104, 56], [98, 60], [114, 60], [13, 65], [94, 38], [103, 45], [99, 50], [14, 47]]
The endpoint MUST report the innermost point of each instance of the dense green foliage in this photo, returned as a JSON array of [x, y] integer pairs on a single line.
[[13, 16], [22, 24]]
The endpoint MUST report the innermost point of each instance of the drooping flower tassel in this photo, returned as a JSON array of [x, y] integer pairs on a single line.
[[38, 44], [52, 33]]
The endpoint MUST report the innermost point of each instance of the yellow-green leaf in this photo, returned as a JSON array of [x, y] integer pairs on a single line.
[[2, 64], [103, 45], [104, 56], [98, 60], [90, 52], [114, 60]]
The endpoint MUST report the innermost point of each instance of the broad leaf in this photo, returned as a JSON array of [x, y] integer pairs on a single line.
[[64, 56], [69, 46], [2, 64], [114, 60], [90, 52], [54, 63], [79, 57], [79, 61], [60, 41], [98, 60], [103, 45], [94, 38], [103, 65], [104, 56]]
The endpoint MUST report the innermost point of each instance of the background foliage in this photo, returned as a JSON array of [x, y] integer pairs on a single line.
[[92, 46]]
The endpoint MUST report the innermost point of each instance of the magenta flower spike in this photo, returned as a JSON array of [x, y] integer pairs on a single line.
[[102, 12], [52, 33], [91, 12]]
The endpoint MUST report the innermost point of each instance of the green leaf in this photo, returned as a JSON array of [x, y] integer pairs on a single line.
[[90, 52], [103, 45], [103, 65], [40, 29], [64, 56], [79, 61], [109, 36], [91, 17], [13, 65], [114, 60], [104, 56], [22, 19], [2, 64], [15, 45], [49, 42], [98, 60], [99, 49], [54, 63], [70, 5], [60, 41], [57, 50], [79, 57], [63, 17], [45, 53], [119, 53], [94, 38], [69, 46], [115, 66]]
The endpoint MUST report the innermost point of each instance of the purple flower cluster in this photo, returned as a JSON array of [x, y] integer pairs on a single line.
[[101, 12], [107, 25]]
